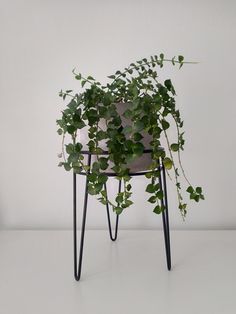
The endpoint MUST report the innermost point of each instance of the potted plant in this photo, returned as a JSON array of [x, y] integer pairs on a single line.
[[129, 117]]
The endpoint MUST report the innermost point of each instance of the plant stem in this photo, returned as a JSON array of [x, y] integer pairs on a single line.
[[171, 155], [62, 148], [151, 62], [179, 158]]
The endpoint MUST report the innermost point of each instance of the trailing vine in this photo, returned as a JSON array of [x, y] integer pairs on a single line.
[[151, 110]]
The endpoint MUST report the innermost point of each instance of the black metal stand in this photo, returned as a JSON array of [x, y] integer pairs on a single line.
[[165, 218]]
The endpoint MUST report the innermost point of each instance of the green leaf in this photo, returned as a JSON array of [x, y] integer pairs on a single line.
[[103, 163], [60, 131], [181, 59], [152, 199], [103, 111], [92, 177], [76, 117], [168, 84], [190, 189], [77, 169], [148, 175], [178, 185], [138, 126], [73, 157], [151, 188], [128, 114], [182, 206], [80, 124], [83, 83], [111, 77], [76, 164], [96, 166], [98, 187], [90, 78], [118, 210], [98, 151], [128, 144], [73, 105], [158, 209], [78, 77], [130, 158], [174, 147], [70, 148], [160, 195], [102, 178], [67, 166], [104, 193], [137, 137], [167, 163], [198, 189], [101, 135], [91, 145], [91, 189], [86, 168], [127, 203], [138, 148], [128, 187], [102, 200], [71, 129], [78, 147], [119, 198], [165, 124], [127, 129]]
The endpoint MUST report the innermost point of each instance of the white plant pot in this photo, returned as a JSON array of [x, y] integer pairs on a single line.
[[140, 164]]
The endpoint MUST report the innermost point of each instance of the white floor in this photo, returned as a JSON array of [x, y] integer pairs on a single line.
[[129, 276]]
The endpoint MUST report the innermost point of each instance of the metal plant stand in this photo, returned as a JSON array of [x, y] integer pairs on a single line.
[[165, 217]]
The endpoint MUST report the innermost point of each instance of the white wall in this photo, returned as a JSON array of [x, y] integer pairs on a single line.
[[42, 41]]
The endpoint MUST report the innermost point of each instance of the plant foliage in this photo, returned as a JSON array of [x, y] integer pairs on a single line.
[[153, 110]]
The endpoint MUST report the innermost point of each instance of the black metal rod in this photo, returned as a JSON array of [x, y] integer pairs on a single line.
[[106, 152], [109, 218], [77, 274], [74, 225], [165, 218], [113, 174], [166, 213]]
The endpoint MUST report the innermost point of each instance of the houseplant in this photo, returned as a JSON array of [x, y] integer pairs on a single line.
[[149, 107]]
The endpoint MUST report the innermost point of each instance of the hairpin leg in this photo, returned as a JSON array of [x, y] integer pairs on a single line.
[[109, 219], [165, 216], [77, 271]]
